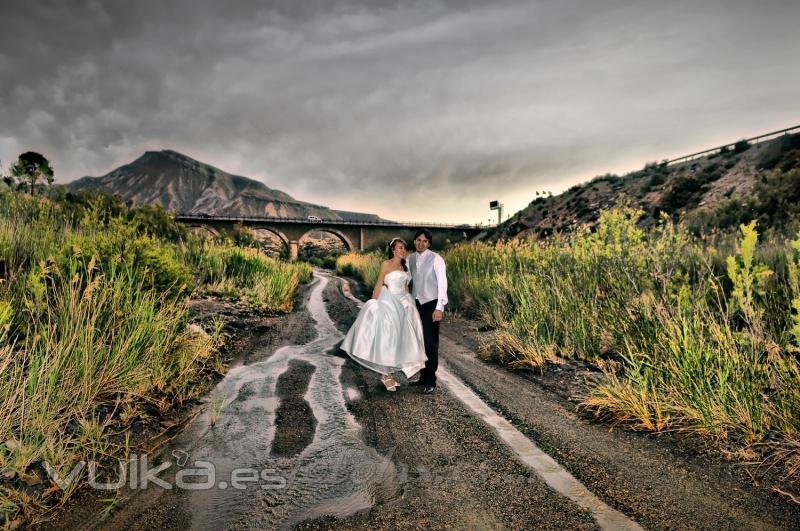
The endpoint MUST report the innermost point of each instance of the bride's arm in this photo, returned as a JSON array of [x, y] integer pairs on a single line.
[[379, 284]]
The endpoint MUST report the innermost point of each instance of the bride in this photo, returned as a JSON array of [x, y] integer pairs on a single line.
[[387, 334]]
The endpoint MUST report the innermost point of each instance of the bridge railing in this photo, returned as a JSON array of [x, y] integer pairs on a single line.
[[278, 219]]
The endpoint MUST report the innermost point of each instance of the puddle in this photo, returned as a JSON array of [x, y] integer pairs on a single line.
[[295, 422], [336, 473]]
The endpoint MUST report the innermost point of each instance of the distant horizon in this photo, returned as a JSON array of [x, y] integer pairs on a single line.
[[507, 214], [409, 109]]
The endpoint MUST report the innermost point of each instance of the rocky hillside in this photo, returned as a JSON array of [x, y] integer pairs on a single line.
[[734, 185], [181, 184]]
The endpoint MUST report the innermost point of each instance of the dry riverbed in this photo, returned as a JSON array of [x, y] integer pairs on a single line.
[[348, 454]]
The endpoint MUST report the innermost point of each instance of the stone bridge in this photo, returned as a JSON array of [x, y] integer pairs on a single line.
[[355, 235]]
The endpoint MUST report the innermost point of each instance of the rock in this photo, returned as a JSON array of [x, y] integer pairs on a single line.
[[261, 329], [32, 480], [196, 329], [238, 324]]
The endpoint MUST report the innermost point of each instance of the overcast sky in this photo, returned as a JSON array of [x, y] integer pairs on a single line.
[[411, 110]]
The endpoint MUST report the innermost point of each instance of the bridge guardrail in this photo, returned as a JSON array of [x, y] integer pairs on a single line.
[[277, 219]]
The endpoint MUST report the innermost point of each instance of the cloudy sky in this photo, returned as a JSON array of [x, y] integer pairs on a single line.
[[412, 110]]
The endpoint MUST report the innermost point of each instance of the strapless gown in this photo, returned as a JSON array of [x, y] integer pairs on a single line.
[[387, 334]]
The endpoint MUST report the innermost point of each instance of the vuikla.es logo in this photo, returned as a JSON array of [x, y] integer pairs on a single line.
[[137, 474]]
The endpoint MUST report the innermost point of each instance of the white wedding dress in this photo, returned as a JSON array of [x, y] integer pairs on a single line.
[[387, 334]]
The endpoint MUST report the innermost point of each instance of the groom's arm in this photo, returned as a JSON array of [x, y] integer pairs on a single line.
[[441, 282]]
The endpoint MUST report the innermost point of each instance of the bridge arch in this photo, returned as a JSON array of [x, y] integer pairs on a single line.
[[201, 229], [348, 243], [354, 235], [285, 241]]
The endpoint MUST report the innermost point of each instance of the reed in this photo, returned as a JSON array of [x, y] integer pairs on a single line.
[[693, 334]]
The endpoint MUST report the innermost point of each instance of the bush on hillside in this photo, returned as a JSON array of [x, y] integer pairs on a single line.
[[777, 197], [741, 146], [685, 193], [783, 154]]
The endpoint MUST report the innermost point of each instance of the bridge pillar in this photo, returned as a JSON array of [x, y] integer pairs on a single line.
[[361, 239], [294, 248]]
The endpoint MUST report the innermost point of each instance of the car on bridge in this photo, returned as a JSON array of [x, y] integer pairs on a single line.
[[314, 218]]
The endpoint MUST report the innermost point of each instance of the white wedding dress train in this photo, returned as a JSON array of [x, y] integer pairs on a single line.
[[387, 334]]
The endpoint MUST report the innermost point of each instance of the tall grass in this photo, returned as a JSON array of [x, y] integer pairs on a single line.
[[363, 266], [107, 342], [247, 274], [94, 325], [690, 338]]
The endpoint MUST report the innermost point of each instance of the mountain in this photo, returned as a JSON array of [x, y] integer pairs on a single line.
[[182, 184], [732, 185]]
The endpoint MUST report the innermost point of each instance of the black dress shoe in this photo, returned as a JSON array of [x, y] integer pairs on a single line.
[[429, 390]]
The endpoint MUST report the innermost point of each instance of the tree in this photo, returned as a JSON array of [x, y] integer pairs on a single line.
[[30, 168]]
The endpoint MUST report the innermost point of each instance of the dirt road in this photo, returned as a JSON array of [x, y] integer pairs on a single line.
[[304, 438]]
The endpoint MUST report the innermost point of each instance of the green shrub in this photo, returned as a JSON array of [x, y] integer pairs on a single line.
[[741, 146], [153, 220], [78, 342], [685, 193], [246, 274], [119, 250], [783, 151]]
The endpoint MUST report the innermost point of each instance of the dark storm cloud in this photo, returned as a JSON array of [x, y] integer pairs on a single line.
[[410, 109]]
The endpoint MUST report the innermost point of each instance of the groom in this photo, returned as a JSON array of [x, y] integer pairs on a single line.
[[430, 292]]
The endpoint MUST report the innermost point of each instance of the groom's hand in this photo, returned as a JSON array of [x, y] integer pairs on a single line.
[[437, 316]]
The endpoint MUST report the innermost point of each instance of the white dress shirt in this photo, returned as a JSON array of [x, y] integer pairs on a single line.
[[430, 278]]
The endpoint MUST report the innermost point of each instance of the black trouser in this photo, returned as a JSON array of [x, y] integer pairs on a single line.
[[430, 333]]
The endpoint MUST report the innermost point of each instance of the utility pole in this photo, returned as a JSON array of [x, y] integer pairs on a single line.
[[497, 205]]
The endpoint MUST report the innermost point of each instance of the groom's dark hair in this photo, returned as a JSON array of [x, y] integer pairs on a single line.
[[427, 234]]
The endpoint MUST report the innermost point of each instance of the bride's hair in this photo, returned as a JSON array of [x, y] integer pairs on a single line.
[[392, 244]]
